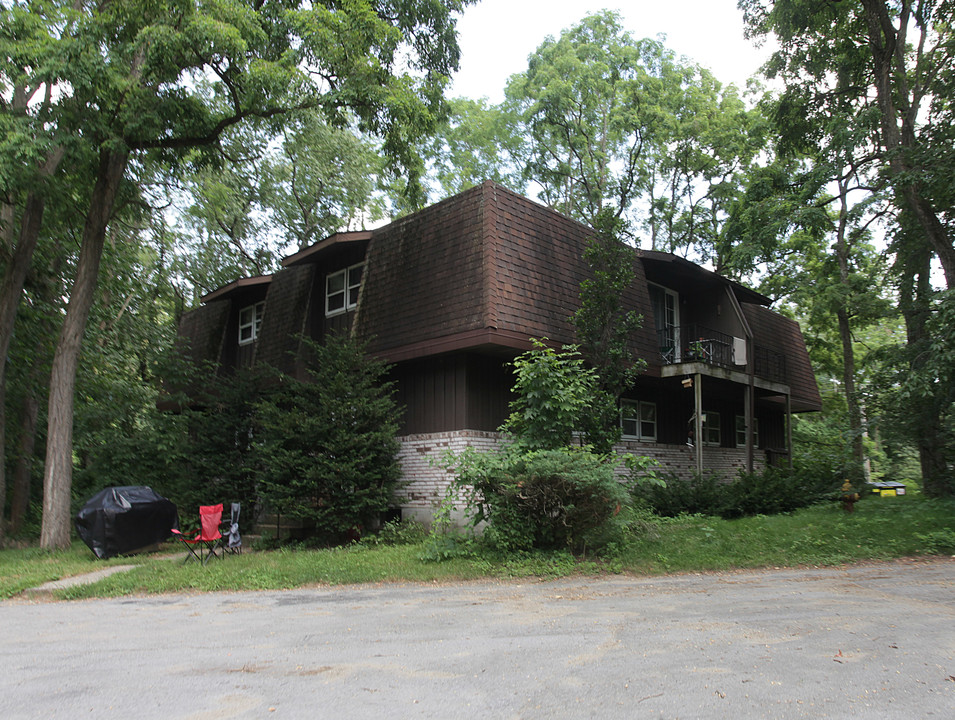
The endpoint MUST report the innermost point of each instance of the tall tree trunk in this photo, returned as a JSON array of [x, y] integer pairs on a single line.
[[914, 295], [11, 290], [58, 469], [893, 94], [20, 500], [856, 472]]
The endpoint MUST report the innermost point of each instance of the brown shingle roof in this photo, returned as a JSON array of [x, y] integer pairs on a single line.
[[783, 335], [284, 320], [487, 259]]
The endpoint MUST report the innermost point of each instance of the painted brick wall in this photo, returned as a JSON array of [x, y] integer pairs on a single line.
[[425, 477], [427, 480], [681, 459]]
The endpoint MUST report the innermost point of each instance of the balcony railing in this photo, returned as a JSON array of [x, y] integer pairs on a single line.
[[695, 343], [769, 364]]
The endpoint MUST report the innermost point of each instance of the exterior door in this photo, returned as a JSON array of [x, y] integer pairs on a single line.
[[666, 318]]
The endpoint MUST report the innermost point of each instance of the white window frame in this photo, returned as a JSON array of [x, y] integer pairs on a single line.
[[741, 431], [347, 295], [638, 412], [712, 434], [250, 322]]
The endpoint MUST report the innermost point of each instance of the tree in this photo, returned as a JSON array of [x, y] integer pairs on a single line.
[[604, 327], [621, 123], [323, 179], [328, 446], [860, 52], [866, 81], [477, 142], [122, 80], [555, 394]]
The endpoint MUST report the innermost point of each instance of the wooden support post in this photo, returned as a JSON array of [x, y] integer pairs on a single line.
[[698, 429]]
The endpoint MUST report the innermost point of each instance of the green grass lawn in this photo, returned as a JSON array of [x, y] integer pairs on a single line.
[[881, 528]]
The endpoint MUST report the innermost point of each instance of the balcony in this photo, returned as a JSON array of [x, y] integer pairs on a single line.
[[698, 343], [769, 364], [695, 343]]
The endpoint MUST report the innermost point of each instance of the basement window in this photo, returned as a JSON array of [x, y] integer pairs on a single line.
[[741, 431], [711, 428], [638, 420], [341, 290], [250, 320]]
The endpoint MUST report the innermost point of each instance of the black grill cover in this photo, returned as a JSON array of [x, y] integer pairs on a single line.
[[120, 520]]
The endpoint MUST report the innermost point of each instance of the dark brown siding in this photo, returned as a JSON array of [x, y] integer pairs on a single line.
[[489, 392], [433, 392], [452, 392], [283, 323]]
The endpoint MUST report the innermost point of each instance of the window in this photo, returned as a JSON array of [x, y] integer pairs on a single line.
[[666, 320], [341, 290], [711, 428], [638, 420], [741, 431], [250, 320]]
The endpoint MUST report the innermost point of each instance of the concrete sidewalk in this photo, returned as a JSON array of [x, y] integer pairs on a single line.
[[48, 588]]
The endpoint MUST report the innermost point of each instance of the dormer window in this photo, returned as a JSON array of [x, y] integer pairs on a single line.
[[341, 290], [250, 320]]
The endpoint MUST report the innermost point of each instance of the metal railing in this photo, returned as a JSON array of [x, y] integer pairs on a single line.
[[769, 364], [695, 343]]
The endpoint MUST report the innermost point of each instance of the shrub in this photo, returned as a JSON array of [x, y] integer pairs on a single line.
[[563, 498], [766, 492], [328, 447], [700, 494]]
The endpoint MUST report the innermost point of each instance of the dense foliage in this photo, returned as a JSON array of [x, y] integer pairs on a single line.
[[544, 489], [327, 446], [767, 492], [321, 451]]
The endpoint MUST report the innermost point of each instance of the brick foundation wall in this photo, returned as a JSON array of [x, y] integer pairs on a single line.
[[426, 480], [681, 459]]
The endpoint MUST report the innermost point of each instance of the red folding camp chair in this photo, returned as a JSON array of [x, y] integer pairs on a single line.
[[208, 538]]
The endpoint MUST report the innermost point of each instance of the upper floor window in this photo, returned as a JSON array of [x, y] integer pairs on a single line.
[[741, 431], [250, 320], [341, 289], [638, 419]]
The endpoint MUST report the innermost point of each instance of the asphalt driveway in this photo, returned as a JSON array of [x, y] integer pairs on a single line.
[[871, 641]]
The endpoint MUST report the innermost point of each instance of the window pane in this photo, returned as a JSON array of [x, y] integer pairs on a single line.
[[335, 302], [335, 292], [336, 282], [711, 428]]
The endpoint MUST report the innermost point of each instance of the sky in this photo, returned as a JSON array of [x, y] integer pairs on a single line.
[[496, 36]]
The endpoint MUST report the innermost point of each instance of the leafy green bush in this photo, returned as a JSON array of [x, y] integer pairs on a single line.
[[545, 499], [698, 495]]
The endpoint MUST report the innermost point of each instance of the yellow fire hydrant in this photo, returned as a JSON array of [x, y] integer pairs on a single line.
[[849, 498]]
